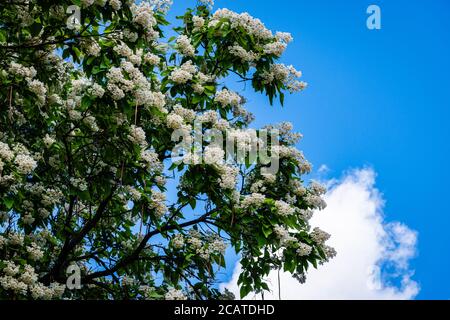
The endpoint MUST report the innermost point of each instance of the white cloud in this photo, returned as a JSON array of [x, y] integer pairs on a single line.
[[373, 255], [323, 169]]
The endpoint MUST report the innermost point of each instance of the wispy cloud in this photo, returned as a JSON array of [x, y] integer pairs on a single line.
[[373, 255]]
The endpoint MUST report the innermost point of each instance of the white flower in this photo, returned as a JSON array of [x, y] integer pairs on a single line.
[[5, 152], [319, 236], [275, 48], [286, 74], [151, 159], [28, 219], [283, 208], [251, 25], [178, 241], [283, 235], [226, 97], [317, 188], [16, 239], [79, 183], [10, 269], [255, 199], [97, 90], [207, 2], [213, 155], [304, 249], [184, 46], [228, 177], [151, 58], [244, 55], [184, 73], [315, 202], [38, 88], [143, 15], [115, 4], [35, 252], [174, 121], [137, 135], [25, 163], [187, 114], [87, 3], [92, 48], [284, 36], [198, 22], [174, 294], [158, 203], [48, 141]]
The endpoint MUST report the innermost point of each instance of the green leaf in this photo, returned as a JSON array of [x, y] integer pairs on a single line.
[[267, 231], [245, 290], [8, 202]]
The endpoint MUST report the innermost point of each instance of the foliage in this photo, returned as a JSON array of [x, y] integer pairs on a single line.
[[86, 118]]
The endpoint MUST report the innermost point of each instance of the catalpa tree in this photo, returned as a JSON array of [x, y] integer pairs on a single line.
[[96, 100]]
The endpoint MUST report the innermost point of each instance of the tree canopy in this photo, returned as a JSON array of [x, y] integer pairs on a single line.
[[92, 94]]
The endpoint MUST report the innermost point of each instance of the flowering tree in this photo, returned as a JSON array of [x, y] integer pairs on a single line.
[[90, 102]]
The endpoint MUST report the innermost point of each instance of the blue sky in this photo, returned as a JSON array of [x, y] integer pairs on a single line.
[[377, 98]]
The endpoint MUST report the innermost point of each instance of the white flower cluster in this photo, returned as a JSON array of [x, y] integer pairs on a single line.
[[317, 188], [315, 201], [79, 183], [228, 177], [87, 3], [174, 294], [330, 252], [216, 244], [152, 59], [130, 35], [304, 249], [275, 48], [20, 156], [91, 47], [151, 160], [137, 83], [184, 73], [252, 200], [226, 97], [319, 236], [282, 151], [35, 252], [24, 280], [245, 56], [288, 75], [19, 70], [283, 208], [143, 15], [96, 90], [188, 115], [137, 136], [284, 236], [158, 203], [174, 121], [213, 155], [208, 117], [251, 25], [184, 46], [205, 246], [178, 241], [306, 215], [198, 22], [39, 89], [284, 37], [246, 140]]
